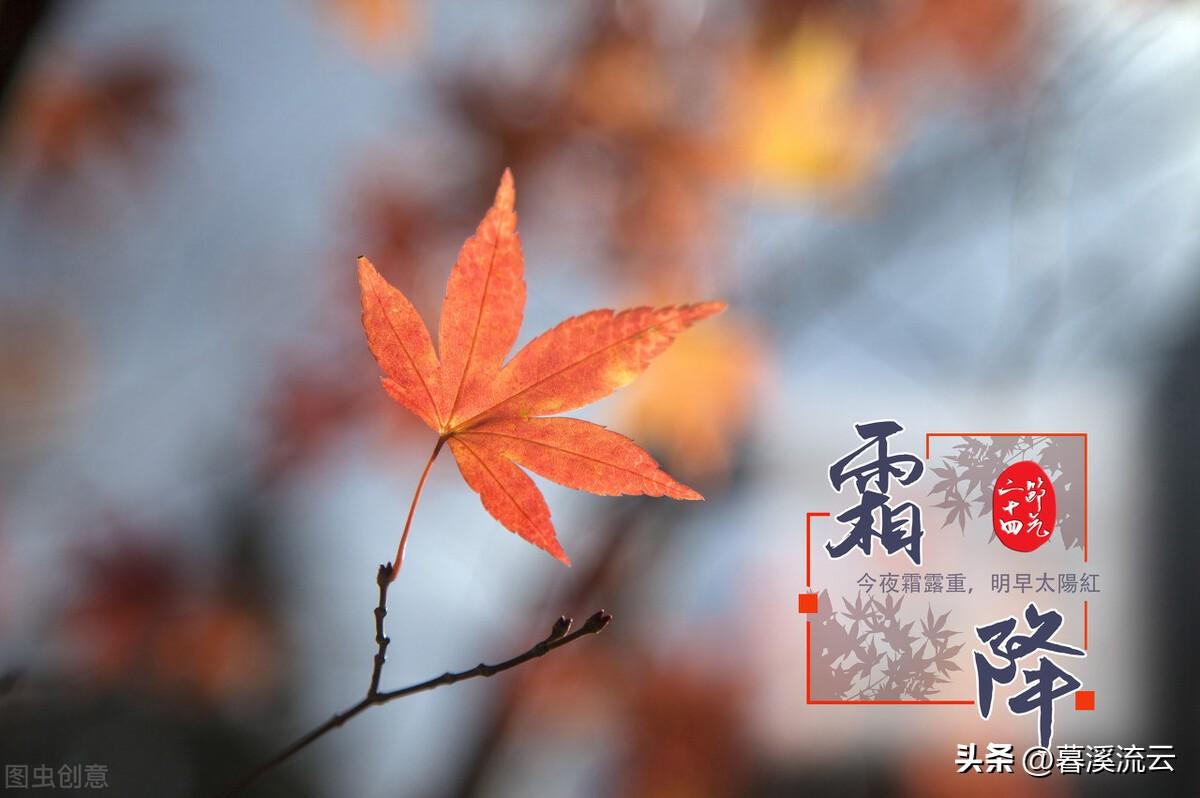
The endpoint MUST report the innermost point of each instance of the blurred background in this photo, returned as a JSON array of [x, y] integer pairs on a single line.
[[971, 214]]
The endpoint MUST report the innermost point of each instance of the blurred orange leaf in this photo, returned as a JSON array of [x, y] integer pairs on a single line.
[[985, 40], [491, 413], [377, 26], [141, 617], [114, 108]]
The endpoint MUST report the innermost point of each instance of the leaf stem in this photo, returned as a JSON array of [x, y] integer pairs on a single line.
[[412, 509]]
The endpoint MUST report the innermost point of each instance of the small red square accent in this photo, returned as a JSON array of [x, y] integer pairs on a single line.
[[808, 603], [1085, 700]]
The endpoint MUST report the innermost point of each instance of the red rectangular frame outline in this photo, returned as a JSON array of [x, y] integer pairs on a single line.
[[808, 575]]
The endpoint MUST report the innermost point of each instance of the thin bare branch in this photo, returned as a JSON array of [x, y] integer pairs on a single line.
[[384, 578], [560, 635]]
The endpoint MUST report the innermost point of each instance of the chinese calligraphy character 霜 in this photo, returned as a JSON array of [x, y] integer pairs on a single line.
[[872, 469]]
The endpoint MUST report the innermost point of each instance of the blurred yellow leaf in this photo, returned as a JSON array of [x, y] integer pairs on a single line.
[[694, 404], [799, 120]]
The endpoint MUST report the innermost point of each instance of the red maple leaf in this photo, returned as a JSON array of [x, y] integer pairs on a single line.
[[492, 413]]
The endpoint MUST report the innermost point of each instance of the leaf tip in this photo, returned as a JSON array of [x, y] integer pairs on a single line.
[[704, 310], [506, 194], [555, 550], [366, 270]]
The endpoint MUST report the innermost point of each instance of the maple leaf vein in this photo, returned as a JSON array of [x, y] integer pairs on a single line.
[[498, 482], [672, 483], [487, 284], [403, 346], [466, 424]]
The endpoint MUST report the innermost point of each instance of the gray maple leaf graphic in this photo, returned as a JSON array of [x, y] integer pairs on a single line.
[[868, 650], [965, 478]]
